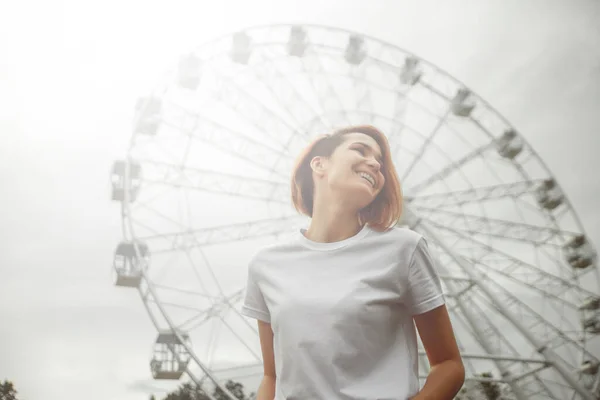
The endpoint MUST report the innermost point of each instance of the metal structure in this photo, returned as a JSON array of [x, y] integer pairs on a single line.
[[206, 182]]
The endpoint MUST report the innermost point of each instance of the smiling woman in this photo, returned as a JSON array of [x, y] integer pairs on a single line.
[[369, 150], [368, 280]]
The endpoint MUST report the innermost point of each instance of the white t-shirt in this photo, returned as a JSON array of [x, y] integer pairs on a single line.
[[341, 313]]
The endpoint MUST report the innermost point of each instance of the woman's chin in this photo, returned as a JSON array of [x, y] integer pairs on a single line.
[[363, 198], [359, 194]]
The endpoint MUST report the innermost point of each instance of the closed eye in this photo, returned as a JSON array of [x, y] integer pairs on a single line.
[[360, 150]]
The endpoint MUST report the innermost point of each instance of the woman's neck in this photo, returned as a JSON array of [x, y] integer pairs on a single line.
[[332, 224]]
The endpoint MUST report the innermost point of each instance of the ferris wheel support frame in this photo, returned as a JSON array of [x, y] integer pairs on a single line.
[[545, 351], [485, 344], [152, 291], [460, 302]]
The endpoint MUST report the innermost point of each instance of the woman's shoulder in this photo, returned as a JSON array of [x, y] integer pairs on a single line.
[[400, 236], [270, 252]]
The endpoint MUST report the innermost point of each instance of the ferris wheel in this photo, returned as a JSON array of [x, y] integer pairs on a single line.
[[206, 182]]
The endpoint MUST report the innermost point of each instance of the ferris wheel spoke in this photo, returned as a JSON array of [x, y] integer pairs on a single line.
[[423, 147], [482, 332], [267, 66], [363, 100], [530, 275], [211, 273], [509, 230], [563, 369], [507, 361], [446, 171], [171, 305], [183, 291], [292, 101], [153, 211], [237, 335], [363, 94], [336, 108], [399, 114], [215, 331], [146, 201], [287, 97], [139, 224], [222, 234], [285, 91], [215, 182], [205, 314], [545, 288], [254, 111], [195, 272], [293, 107], [400, 93], [236, 296], [230, 141], [560, 295], [547, 332], [244, 320], [327, 97], [499, 349], [478, 194]]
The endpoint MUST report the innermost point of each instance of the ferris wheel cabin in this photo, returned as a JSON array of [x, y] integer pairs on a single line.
[[355, 50], [579, 253], [125, 175], [296, 45], [188, 72], [170, 358], [549, 195], [590, 315], [240, 52], [148, 115], [128, 265], [411, 73], [462, 104], [509, 145]]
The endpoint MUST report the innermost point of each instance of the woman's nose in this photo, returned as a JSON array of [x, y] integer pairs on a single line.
[[373, 163]]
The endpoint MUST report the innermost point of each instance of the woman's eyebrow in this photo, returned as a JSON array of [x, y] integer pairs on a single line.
[[377, 155]]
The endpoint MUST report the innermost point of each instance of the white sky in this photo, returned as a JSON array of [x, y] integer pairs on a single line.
[[70, 72]]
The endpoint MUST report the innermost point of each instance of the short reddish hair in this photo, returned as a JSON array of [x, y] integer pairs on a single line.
[[383, 212]]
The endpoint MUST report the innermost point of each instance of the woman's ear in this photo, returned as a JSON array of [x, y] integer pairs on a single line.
[[317, 164]]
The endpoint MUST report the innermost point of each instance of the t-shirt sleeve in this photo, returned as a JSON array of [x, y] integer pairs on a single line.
[[424, 286], [254, 305]]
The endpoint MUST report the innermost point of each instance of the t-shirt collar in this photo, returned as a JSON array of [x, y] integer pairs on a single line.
[[323, 246]]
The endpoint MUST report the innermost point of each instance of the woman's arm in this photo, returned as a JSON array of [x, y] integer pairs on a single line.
[[266, 390], [447, 373]]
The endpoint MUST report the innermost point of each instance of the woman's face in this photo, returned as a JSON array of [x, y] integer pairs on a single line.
[[355, 168]]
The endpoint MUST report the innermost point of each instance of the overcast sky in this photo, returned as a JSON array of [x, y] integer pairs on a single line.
[[70, 72]]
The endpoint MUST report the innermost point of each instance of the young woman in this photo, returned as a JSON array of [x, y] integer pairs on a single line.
[[337, 305]]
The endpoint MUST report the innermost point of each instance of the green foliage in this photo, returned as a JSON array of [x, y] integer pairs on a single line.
[[191, 391], [480, 390], [490, 389], [188, 391], [7, 391], [236, 389]]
